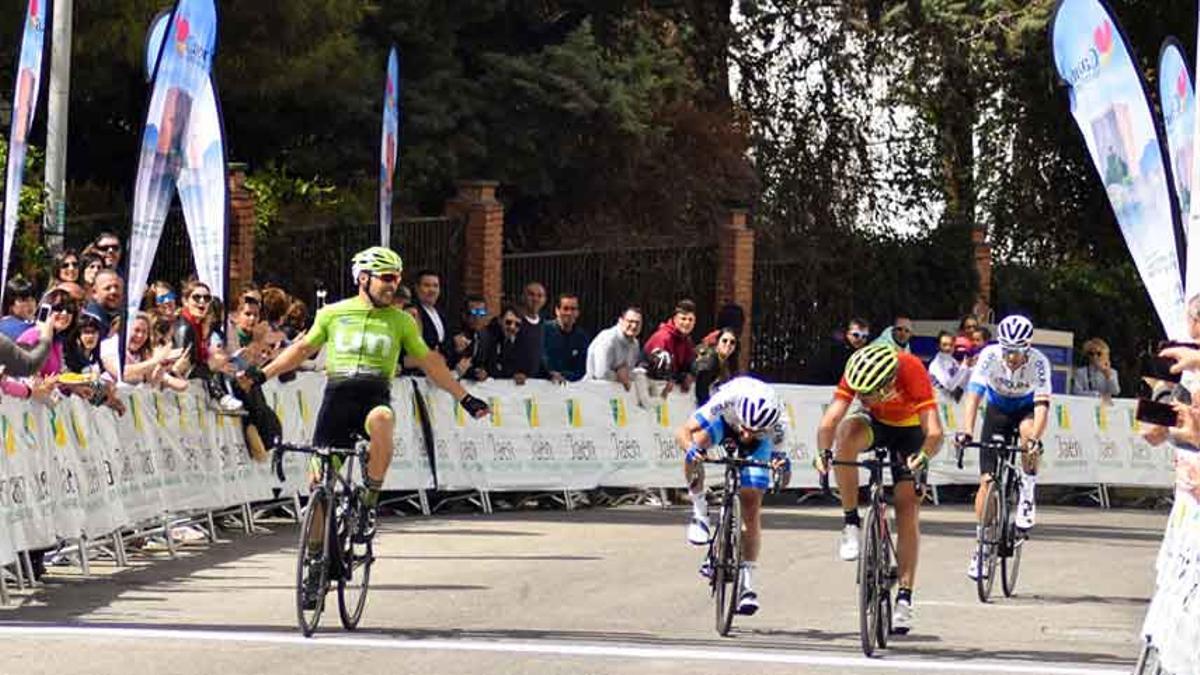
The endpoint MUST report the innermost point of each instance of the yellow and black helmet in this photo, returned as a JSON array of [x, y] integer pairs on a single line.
[[871, 367]]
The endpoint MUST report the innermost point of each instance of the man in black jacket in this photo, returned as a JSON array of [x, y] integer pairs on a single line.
[[433, 325], [826, 367]]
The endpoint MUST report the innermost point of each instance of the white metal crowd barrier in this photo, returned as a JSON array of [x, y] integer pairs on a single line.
[[79, 473]]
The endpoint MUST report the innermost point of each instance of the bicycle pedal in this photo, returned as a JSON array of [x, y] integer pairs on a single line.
[[898, 631]]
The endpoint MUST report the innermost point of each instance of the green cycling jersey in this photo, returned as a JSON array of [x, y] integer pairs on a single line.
[[364, 340]]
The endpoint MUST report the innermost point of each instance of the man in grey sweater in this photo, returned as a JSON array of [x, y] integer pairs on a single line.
[[615, 351]]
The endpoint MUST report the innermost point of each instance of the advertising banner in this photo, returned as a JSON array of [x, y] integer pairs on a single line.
[[1110, 103], [389, 146], [1177, 95], [181, 79], [25, 98]]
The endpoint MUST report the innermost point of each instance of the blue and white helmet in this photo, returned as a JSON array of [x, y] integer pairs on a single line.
[[1015, 332], [759, 409]]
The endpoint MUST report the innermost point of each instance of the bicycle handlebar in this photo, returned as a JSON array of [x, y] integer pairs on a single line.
[[360, 449], [920, 477]]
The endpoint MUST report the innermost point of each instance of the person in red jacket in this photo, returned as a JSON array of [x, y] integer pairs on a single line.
[[670, 349]]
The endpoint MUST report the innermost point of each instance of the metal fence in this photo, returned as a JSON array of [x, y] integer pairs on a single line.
[[303, 259], [609, 280]]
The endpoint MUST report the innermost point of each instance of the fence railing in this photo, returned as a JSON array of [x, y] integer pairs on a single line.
[[301, 260], [606, 281]]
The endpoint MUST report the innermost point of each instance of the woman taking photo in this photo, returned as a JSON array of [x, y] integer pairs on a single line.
[[152, 364]]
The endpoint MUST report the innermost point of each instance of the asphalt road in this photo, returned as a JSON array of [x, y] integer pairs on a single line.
[[594, 591]]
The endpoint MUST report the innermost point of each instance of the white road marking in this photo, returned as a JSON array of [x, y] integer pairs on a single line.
[[557, 648]]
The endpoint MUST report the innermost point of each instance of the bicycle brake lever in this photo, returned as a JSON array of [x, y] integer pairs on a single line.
[[958, 456]]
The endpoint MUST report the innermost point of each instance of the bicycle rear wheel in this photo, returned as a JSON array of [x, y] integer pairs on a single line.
[[1010, 563], [725, 571], [989, 537], [356, 561], [868, 584], [314, 565]]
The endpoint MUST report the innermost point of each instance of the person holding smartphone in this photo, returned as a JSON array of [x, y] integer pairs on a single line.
[[1097, 377]]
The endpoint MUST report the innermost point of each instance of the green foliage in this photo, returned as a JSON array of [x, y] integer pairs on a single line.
[[275, 190]]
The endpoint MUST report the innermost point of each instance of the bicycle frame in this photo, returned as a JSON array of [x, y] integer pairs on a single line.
[[333, 489], [724, 550], [876, 573], [998, 539]]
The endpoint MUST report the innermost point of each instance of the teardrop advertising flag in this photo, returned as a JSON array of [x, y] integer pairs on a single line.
[[201, 183], [1110, 102], [1177, 96], [25, 98], [389, 146], [169, 149]]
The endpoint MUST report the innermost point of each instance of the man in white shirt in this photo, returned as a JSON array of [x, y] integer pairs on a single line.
[[615, 351]]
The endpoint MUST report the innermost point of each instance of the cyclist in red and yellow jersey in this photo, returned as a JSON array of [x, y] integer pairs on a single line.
[[898, 411]]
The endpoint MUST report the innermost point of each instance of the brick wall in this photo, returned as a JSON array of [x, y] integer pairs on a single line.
[[241, 229], [735, 273], [476, 205]]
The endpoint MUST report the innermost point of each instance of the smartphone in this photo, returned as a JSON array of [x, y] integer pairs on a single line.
[[43, 313], [1160, 369], [1153, 412], [1173, 343]]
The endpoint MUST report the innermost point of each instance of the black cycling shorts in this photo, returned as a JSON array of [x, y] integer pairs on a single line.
[[996, 422], [901, 442], [344, 410]]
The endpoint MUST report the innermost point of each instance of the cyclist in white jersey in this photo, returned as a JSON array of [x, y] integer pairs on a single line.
[[1015, 379], [745, 413]]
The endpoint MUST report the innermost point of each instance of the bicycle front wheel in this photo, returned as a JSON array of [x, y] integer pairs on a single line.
[[1010, 563], [989, 538], [869, 583], [725, 572], [312, 562], [356, 561]]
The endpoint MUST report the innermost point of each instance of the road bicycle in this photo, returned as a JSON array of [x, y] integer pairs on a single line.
[[334, 515], [999, 541], [724, 562], [877, 570]]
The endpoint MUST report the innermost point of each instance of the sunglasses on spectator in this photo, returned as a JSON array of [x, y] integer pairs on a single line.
[[111, 248], [68, 265], [62, 309], [478, 311], [201, 298], [388, 277], [859, 334]]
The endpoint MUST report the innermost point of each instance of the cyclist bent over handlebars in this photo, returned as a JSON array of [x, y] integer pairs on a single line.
[[745, 412], [899, 413]]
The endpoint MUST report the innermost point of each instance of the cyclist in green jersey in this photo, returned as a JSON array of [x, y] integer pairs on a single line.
[[365, 335]]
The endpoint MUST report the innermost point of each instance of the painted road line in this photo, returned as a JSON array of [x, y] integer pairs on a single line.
[[557, 648]]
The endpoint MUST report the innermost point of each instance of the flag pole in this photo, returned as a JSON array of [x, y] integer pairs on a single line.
[[56, 124]]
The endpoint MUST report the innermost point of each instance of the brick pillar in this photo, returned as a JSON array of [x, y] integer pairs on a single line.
[[735, 272], [241, 229], [983, 265], [483, 272]]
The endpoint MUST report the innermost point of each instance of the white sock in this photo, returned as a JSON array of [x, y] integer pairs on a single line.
[[748, 567], [699, 504], [1028, 486]]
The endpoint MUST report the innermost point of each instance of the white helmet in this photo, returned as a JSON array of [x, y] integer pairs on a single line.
[[759, 408], [1015, 332]]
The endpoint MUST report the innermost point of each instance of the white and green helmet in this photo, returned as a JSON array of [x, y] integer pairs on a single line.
[[375, 260]]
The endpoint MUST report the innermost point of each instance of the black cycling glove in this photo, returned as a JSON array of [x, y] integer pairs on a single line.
[[475, 407]]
